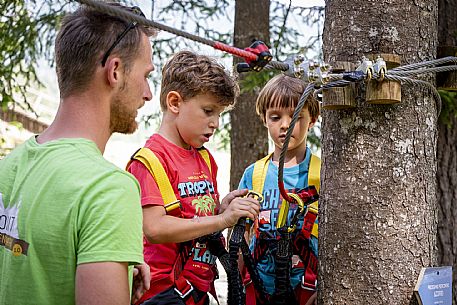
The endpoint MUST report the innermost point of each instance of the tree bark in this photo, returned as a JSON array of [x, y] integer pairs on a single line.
[[248, 136], [447, 198], [447, 151], [378, 193]]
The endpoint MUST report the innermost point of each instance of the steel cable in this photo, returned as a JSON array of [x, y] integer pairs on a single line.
[[422, 71], [434, 62], [309, 88], [119, 12]]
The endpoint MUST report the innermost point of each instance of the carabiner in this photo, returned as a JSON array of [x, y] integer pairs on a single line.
[[255, 195], [284, 213]]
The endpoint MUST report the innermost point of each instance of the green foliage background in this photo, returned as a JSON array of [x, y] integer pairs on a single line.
[[448, 107], [28, 29]]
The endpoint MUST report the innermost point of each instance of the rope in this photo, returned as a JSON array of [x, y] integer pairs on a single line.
[[236, 294], [398, 74], [119, 12], [419, 82], [421, 71], [282, 156], [434, 62], [277, 65]]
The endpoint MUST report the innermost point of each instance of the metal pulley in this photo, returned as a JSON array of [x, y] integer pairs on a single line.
[[308, 71]]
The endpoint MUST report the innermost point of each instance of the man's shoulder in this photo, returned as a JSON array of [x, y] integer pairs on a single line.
[[87, 163], [107, 171], [15, 153]]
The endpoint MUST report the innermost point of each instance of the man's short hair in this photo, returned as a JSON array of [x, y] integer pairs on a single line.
[[85, 36], [192, 74], [283, 91]]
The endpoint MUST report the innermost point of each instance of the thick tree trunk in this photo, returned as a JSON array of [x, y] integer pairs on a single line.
[[248, 136], [378, 193], [447, 198], [447, 151]]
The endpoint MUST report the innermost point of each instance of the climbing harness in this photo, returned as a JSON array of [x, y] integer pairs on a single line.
[[307, 206], [236, 295], [304, 198], [288, 240], [214, 242], [319, 76], [171, 204]]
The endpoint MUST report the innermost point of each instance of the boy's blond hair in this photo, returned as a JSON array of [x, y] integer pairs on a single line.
[[283, 91], [192, 74]]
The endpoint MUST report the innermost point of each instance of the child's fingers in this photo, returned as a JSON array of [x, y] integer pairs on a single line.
[[238, 193], [250, 206]]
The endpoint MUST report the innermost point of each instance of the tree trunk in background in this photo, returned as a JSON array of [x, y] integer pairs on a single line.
[[447, 151], [378, 193], [248, 136]]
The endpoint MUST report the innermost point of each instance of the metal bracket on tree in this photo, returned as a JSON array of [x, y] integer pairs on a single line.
[[308, 71]]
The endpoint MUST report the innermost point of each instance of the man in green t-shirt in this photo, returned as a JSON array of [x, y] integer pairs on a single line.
[[70, 222]]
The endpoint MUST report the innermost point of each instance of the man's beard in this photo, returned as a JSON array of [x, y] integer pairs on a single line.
[[122, 119]]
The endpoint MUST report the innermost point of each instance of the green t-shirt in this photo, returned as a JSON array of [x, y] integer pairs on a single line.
[[62, 204]]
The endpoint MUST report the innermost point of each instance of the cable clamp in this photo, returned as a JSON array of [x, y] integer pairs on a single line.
[[380, 68], [365, 66]]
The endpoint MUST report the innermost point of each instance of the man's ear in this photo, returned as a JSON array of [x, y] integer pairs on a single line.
[[114, 71], [174, 101]]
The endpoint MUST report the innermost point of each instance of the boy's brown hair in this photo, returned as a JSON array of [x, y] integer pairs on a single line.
[[192, 74], [84, 37], [283, 91]]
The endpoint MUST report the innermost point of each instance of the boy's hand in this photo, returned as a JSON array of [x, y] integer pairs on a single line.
[[234, 206], [230, 196], [141, 281]]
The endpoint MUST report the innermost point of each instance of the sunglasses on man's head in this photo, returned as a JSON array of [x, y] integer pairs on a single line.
[[136, 10]]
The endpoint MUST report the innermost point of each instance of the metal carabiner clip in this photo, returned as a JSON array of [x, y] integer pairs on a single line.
[[255, 195], [284, 212]]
